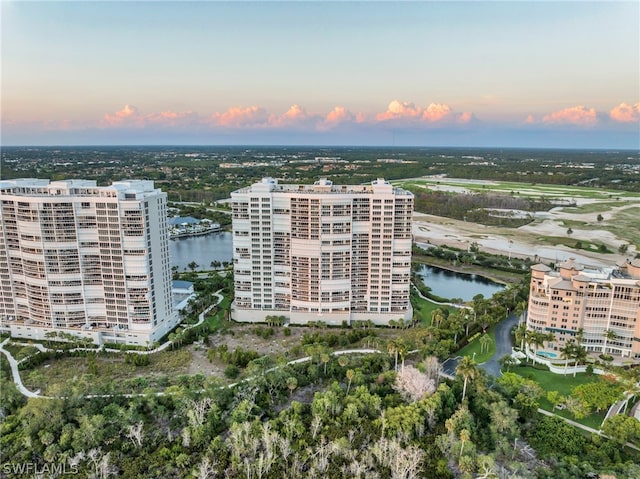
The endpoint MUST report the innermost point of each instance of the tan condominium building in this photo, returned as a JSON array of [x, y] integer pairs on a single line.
[[602, 307], [85, 260], [322, 252]]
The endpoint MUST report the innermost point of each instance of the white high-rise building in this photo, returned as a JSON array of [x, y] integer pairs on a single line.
[[322, 252], [85, 260]]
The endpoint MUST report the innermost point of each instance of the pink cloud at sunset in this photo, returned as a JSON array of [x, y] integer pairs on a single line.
[[124, 116], [398, 109], [130, 116], [338, 115], [434, 113], [625, 113], [576, 115], [242, 117], [295, 115]]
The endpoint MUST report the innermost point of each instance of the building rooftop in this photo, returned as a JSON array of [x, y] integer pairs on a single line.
[[324, 186]]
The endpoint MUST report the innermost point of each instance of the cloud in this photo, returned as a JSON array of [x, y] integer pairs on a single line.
[[435, 113], [242, 117], [340, 116], [296, 116], [129, 114], [398, 109], [575, 115], [625, 113]]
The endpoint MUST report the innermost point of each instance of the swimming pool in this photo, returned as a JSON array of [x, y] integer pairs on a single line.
[[547, 354]]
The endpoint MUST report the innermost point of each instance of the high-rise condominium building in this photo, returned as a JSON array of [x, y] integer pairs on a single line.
[[85, 260], [322, 252], [600, 306]]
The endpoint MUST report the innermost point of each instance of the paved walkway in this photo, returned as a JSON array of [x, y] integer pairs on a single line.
[[503, 345], [13, 363]]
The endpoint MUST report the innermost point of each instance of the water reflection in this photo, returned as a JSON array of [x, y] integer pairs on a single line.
[[201, 249], [449, 284]]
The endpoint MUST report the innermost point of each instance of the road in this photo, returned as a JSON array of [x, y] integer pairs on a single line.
[[503, 345]]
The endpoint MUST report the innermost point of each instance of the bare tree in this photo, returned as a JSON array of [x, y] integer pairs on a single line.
[[135, 433], [413, 384]]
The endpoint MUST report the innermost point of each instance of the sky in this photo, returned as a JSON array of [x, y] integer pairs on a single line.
[[513, 74]]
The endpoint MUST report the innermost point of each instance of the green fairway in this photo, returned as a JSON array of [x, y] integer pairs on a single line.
[[520, 189]]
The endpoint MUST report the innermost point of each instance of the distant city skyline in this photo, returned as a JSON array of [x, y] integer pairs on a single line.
[[512, 74]]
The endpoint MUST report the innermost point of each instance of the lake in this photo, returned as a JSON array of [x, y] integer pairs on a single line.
[[449, 284], [201, 249], [219, 246]]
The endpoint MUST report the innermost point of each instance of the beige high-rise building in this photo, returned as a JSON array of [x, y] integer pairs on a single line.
[[85, 260], [604, 304], [322, 252]]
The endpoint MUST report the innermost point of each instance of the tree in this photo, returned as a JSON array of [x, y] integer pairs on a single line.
[[567, 352], [622, 429], [569, 231], [599, 217], [413, 384], [350, 374], [392, 348], [485, 342], [600, 394], [520, 334], [324, 357], [465, 435], [507, 362], [609, 335], [468, 370], [579, 356], [193, 266], [292, 383], [623, 248]]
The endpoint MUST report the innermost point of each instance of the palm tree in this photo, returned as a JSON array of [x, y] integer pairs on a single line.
[[529, 340], [609, 335], [468, 370], [579, 355], [437, 316], [392, 348], [567, 352], [464, 437], [350, 375], [292, 383], [324, 357], [402, 351], [537, 341], [520, 333]]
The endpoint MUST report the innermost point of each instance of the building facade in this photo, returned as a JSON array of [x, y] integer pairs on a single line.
[[322, 252], [85, 260], [602, 307]]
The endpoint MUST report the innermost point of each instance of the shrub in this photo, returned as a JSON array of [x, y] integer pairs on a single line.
[[232, 371]]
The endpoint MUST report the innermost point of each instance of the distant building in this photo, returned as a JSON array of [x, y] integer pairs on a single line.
[[86, 260], [322, 252], [594, 301], [181, 226]]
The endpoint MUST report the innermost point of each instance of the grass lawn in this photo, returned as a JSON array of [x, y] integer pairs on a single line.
[[476, 345], [564, 385], [423, 308], [217, 321]]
